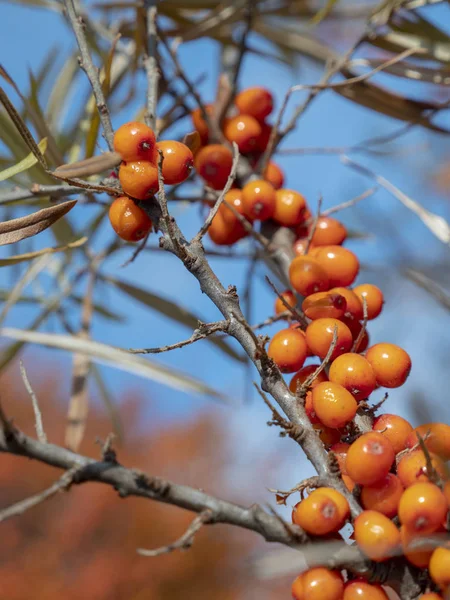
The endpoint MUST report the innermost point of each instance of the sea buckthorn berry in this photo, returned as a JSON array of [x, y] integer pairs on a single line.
[[383, 496], [430, 596], [300, 246], [412, 467], [135, 141], [317, 514], [259, 199], [341, 265], [328, 232], [213, 163], [354, 373], [436, 437], [302, 375], [333, 404], [318, 583], [340, 501], [139, 179], [369, 458], [309, 409], [391, 364], [422, 508], [289, 297], [319, 337], [340, 450], [244, 130], [358, 589], [289, 207], [255, 101], [328, 435], [288, 350], [395, 428], [354, 306], [199, 122], [376, 535], [373, 296], [302, 229], [418, 557], [178, 161], [439, 567], [297, 588], [225, 233], [233, 197], [263, 139], [355, 328], [324, 304], [349, 483], [129, 221], [274, 175]]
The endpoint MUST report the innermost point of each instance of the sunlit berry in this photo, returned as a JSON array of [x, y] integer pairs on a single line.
[[289, 207], [329, 232], [395, 428], [300, 246], [373, 297], [354, 306], [390, 363], [436, 437], [317, 514], [341, 265], [258, 198], [255, 101], [369, 458], [288, 350], [340, 501], [199, 122], [139, 179], [135, 142], [359, 589], [129, 221], [333, 404], [376, 535], [383, 496], [422, 508], [324, 305], [307, 276], [224, 232], [354, 373], [320, 333], [213, 163], [412, 467], [244, 130], [178, 161], [439, 567], [288, 297]]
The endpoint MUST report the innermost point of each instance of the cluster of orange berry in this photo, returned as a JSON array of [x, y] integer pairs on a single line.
[[138, 175]]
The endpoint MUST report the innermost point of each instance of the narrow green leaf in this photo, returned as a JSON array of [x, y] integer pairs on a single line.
[[24, 164]]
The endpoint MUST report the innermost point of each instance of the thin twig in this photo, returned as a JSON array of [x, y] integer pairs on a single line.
[[151, 65], [348, 203], [313, 226], [298, 316], [362, 331], [302, 389], [34, 401], [137, 251], [270, 320]]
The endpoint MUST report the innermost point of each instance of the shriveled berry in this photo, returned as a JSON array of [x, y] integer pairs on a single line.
[[323, 305], [354, 306]]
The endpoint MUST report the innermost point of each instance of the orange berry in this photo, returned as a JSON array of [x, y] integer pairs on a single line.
[[244, 130], [412, 467], [223, 232], [259, 200], [288, 350], [289, 207], [354, 373], [369, 458], [263, 139], [274, 175], [327, 435], [324, 304], [333, 404], [255, 101], [135, 142], [233, 197], [419, 557], [355, 328], [430, 596], [383, 496], [289, 297], [391, 364], [213, 163], [376, 535], [437, 438], [129, 221], [340, 501], [340, 450], [319, 337], [300, 246], [139, 179], [439, 567], [317, 514], [178, 161], [358, 589], [354, 306], [297, 588], [422, 508], [396, 429], [329, 232], [307, 276], [318, 583], [348, 481], [374, 298], [199, 122], [341, 265], [301, 376]]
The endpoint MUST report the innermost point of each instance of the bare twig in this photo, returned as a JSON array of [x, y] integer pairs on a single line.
[[280, 317], [136, 251], [37, 411], [310, 380], [151, 65], [349, 203], [313, 227], [298, 316], [306, 484], [362, 331]]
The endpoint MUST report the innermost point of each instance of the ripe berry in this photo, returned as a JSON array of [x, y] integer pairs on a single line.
[[135, 142], [319, 337], [340, 450], [307, 276], [178, 161], [412, 467], [263, 139], [374, 298], [274, 175], [318, 583], [396, 429], [341, 265], [391, 364], [225, 232], [200, 124], [244, 130], [324, 305], [255, 101], [328, 435], [340, 501], [355, 328], [259, 200], [354, 306], [301, 376], [289, 207], [420, 557], [422, 508], [317, 514], [213, 163], [333, 404], [436, 437], [289, 297], [439, 567], [383, 496], [431, 596], [329, 232], [354, 373], [376, 535], [300, 246], [369, 458], [139, 179], [358, 589], [288, 350], [129, 221]]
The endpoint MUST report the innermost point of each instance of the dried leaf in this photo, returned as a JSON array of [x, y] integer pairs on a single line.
[[90, 166], [192, 141], [18, 229], [24, 164], [19, 258], [323, 12]]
